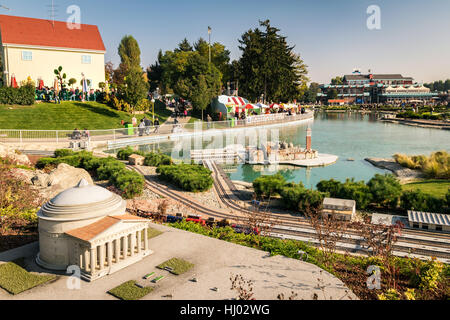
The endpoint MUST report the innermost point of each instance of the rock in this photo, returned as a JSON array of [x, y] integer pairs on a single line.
[[403, 174], [62, 178], [8, 152], [40, 180]]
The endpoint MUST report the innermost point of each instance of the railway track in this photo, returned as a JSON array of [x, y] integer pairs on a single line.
[[294, 222]]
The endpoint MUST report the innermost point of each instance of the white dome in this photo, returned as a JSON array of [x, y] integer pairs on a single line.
[[82, 202], [82, 194]]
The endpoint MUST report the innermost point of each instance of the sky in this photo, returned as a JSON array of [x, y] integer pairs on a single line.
[[330, 35]]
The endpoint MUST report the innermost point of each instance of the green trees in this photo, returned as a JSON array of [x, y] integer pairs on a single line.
[[357, 191], [72, 81], [268, 186], [332, 94], [129, 77], [60, 76], [337, 81], [385, 190], [191, 76], [135, 89], [269, 65]]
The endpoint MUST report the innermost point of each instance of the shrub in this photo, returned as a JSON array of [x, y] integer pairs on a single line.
[[267, 186], [437, 165], [385, 189], [188, 177], [123, 154], [63, 153], [108, 167], [419, 201], [357, 191], [157, 159], [331, 186], [311, 200], [292, 195], [129, 182], [21, 96]]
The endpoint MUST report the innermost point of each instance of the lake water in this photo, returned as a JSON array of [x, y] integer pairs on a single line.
[[347, 135]]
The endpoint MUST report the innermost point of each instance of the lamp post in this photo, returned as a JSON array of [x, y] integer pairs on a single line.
[[209, 34]]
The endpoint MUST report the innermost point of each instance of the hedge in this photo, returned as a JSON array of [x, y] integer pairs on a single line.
[[157, 159], [24, 95], [267, 186], [188, 177], [123, 154]]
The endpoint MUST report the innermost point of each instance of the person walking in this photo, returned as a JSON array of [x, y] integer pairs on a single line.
[[141, 128], [209, 119], [156, 124], [148, 124]]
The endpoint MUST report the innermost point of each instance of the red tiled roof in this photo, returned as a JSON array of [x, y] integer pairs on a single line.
[[38, 32], [91, 231]]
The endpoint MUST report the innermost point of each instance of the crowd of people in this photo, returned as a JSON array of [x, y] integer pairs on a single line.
[[48, 94]]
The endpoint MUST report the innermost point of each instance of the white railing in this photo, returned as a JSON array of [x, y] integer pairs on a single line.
[[66, 136]]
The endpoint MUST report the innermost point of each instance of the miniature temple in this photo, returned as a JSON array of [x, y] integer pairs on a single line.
[[87, 226]]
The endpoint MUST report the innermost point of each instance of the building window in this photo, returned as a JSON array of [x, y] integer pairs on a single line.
[[438, 228], [416, 225], [425, 227], [27, 55], [86, 59]]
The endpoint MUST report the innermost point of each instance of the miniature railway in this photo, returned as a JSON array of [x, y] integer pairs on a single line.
[[293, 222]]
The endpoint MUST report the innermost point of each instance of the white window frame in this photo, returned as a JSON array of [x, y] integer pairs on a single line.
[[86, 59], [27, 55]]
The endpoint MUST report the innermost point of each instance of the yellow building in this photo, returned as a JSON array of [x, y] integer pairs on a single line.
[[34, 48]]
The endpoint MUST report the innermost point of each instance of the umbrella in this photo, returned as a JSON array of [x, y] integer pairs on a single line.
[[13, 81], [249, 106]]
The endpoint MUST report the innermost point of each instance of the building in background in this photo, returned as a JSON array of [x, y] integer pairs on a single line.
[[35, 48], [358, 88]]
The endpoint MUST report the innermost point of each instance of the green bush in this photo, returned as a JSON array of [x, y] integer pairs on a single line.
[[188, 177], [267, 186], [418, 201], [357, 191], [157, 159], [108, 168], [63, 153], [123, 154], [385, 189], [292, 195], [24, 95], [129, 182]]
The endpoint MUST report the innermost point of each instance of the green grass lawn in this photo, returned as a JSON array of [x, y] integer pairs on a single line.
[[437, 188], [68, 116], [179, 266], [152, 233], [130, 291], [15, 279]]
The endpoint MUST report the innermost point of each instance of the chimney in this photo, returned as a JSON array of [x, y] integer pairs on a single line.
[[308, 139]]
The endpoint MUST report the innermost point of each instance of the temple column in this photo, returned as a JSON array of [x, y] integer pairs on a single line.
[[139, 241], [93, 260], [86, 260], [145, 239], [125, 247], [109, 254], [101, 257], [117, 249], [132, 244]]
